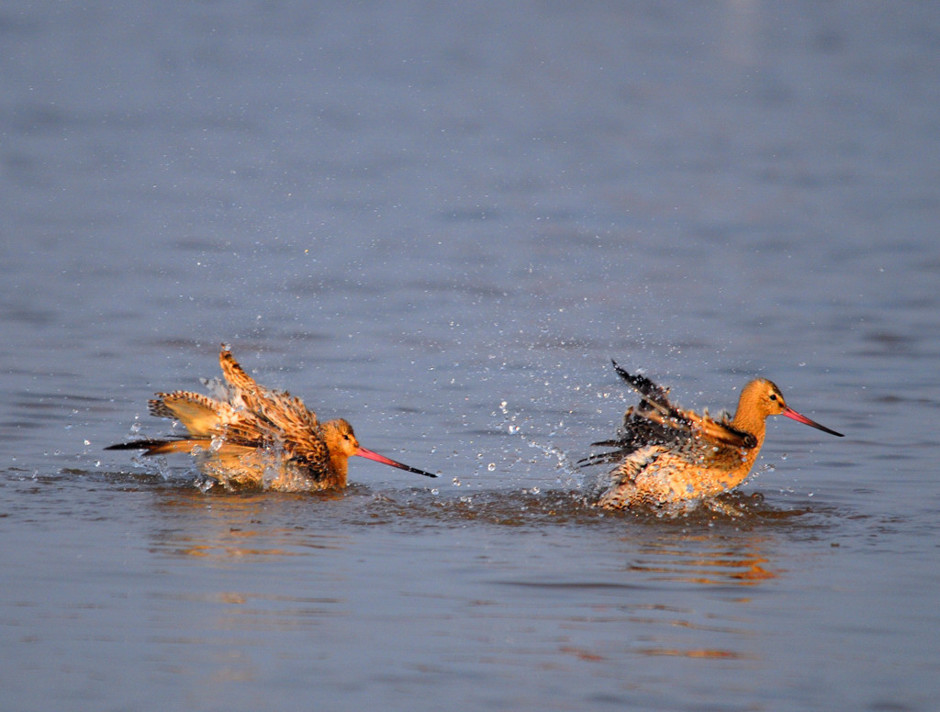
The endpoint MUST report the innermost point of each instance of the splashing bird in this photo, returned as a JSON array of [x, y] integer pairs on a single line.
[[667, 455], [246, 435]]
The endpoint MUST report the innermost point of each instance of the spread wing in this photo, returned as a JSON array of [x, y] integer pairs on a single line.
[[277, 416], [207, 418], [239, 417], [656, 421]]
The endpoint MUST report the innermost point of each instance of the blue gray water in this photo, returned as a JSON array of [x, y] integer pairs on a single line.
[[442, 223]]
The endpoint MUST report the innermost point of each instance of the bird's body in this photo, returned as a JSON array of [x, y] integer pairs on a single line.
[[246, 435], [668, 455]]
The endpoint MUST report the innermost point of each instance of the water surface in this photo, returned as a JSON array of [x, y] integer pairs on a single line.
[[441, 224]]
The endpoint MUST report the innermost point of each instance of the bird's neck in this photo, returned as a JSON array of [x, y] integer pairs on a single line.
[[339, 464], [754, 425]]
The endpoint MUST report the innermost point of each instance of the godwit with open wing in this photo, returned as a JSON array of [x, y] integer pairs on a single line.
[[249, 435], [669, 455]]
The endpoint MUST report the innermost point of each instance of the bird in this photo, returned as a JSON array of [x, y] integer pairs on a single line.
[[667, 456], [246, 435]]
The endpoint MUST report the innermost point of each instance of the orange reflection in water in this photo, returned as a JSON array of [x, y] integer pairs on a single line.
[[687, 560]]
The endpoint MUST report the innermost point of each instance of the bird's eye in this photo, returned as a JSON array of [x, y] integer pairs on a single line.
[[773, 396]]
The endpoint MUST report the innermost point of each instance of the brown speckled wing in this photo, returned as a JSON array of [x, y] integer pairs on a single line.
[[279, 417], [199, 414]]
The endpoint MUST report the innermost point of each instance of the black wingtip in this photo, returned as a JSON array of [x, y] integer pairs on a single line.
[[624, 374], [602, 458], [640, 383]]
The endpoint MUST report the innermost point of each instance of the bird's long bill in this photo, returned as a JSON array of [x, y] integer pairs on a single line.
[[369, 455], [790, 413]]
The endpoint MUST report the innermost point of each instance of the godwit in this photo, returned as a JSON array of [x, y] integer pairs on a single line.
[[668, 455], [249, 435]]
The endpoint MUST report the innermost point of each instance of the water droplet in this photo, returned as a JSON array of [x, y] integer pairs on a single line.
[[491, 467]]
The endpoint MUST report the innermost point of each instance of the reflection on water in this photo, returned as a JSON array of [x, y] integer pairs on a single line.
[[712, 563], [250, 586], [648, 563], [235, 525], [642, 591], [715, 561]]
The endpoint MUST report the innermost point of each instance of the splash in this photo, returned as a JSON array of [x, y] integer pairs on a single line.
[[516, 425]]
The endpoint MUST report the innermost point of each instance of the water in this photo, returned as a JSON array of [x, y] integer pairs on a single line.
[[441, 224]]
